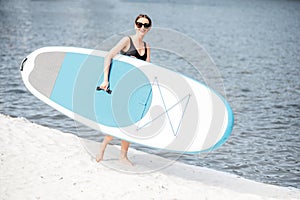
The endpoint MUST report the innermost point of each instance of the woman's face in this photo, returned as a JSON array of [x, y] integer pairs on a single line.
[[142, 26]]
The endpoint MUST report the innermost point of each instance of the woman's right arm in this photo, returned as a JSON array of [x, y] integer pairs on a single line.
[[122, 44]]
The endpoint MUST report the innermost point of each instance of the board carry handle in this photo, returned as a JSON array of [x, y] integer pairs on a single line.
[[108, 90], [22, 64]]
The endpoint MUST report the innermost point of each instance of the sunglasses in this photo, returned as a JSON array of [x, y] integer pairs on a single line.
[[139, 25]]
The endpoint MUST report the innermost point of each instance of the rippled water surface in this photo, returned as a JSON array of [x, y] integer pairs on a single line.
[[255, 45]]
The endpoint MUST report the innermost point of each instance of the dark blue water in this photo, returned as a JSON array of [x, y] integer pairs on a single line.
[[255, 45]]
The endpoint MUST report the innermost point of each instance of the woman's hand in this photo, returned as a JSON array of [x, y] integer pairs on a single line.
[[104, 85]]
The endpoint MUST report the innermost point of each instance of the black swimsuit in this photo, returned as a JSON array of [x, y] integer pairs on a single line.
[[132, 51]]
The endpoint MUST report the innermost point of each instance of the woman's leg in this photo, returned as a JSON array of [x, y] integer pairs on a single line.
[[105, 142], [124, 149]]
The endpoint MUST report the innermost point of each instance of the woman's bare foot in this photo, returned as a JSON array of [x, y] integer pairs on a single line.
[[124, 159], [105, 142], [99, 157]]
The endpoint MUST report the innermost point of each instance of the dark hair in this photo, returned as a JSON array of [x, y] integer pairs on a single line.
[[143, 16]]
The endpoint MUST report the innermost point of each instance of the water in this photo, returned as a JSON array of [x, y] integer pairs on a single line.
[[255, 45]]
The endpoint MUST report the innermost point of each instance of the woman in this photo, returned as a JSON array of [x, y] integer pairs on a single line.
[[133, 46]]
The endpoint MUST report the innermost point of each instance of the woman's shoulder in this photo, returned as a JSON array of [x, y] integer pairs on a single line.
[[124, 42], [147, 45], [126, 38]]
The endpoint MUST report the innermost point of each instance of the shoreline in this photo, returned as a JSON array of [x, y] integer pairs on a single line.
[[41, 163]]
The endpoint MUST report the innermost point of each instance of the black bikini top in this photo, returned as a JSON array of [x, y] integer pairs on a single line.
[[132, 51]]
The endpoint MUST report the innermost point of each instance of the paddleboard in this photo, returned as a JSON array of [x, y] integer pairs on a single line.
[[145, 104]]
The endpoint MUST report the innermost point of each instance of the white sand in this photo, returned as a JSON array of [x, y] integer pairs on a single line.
[[41, 163]]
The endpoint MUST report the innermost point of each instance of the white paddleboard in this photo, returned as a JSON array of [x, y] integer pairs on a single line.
[[148, 104]]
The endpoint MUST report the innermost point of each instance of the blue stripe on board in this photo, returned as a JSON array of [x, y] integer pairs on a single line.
[[62, 92]]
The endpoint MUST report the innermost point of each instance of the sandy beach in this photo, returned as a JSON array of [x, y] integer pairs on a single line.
[[37, 162]]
